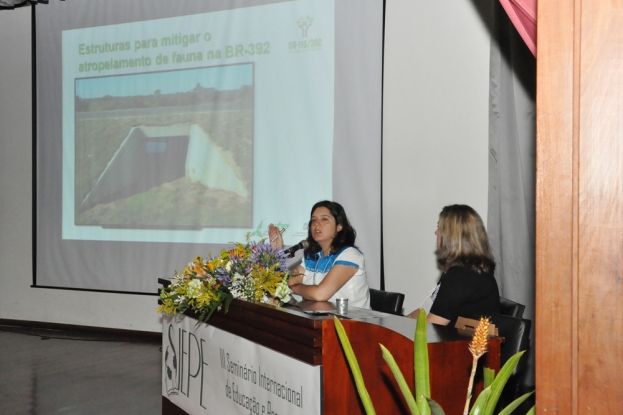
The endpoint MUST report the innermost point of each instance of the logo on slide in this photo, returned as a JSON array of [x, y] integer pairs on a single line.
[[305, 45], [304, 22], [262, 232]]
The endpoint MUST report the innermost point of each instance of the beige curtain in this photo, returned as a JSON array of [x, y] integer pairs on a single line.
[[512, 165]]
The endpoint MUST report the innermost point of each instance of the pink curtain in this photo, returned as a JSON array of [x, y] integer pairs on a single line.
[[523, 15], [11, 4]]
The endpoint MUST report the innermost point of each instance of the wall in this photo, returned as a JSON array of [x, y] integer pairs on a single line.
[[17, 299], [435, 153]]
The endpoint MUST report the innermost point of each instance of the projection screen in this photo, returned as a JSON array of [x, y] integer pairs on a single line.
[[167, 130]]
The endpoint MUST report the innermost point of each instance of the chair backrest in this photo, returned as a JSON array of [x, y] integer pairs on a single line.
[[386, 301], [511, 308], [516, 333]]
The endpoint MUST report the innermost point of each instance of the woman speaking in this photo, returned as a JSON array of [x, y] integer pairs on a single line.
[[332, 266]]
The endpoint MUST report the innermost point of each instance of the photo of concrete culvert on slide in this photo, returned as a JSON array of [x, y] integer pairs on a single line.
[[177, 160]]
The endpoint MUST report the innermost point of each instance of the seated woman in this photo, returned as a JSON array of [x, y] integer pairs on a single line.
[[332, 266], [467, 287]]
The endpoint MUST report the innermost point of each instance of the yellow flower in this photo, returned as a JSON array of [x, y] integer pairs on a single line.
[[206, 299], [168, 306]]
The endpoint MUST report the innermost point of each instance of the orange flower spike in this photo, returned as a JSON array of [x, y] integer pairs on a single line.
[[210, 265], [480, 341], [478, 347]]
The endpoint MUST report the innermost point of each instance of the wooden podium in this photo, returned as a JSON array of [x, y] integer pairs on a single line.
[[313, 340]]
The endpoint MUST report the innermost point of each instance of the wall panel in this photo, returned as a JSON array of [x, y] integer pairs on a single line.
[[600, 211], [579, 319]]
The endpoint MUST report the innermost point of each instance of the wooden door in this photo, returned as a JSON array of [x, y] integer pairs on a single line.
[[579, 269]]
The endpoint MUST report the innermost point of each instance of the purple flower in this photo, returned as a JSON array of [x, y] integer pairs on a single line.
[[264, 255], [223, 277]]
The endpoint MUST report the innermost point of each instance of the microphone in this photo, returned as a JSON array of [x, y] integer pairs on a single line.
[[291, 250]]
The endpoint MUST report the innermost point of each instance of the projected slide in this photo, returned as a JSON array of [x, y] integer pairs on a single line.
[[186, 129], [154, 159]]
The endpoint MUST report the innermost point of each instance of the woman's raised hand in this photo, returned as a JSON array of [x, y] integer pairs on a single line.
[[274, 236]]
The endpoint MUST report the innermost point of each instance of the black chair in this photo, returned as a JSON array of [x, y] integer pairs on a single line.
[[387, 302], [516, 333], [511, 308]]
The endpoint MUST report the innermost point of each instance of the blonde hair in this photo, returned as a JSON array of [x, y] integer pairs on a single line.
[[464, 241]]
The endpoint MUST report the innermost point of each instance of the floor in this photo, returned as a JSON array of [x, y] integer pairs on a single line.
[[46, 371]]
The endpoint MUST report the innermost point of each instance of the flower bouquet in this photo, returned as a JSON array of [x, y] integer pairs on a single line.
[[254, 271]]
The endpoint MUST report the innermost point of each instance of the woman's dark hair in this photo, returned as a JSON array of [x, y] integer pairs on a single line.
[[345, 237], [464, 240]]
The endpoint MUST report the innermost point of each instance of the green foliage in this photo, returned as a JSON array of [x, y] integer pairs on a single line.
[[513, 405], [402, 383], [223, 301], [489, 375], [481, 402], [354, 367], [422, 405], [500, 381], [435, 408], [420, 361]]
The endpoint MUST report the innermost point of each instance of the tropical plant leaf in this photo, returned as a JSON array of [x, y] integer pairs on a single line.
[[435, 408], [354, 367], [227, 302], [400, 379], [423, 405], [513, 405], [500, 380], [532, 411], [420, 360], [481, 402], [488, 375]]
